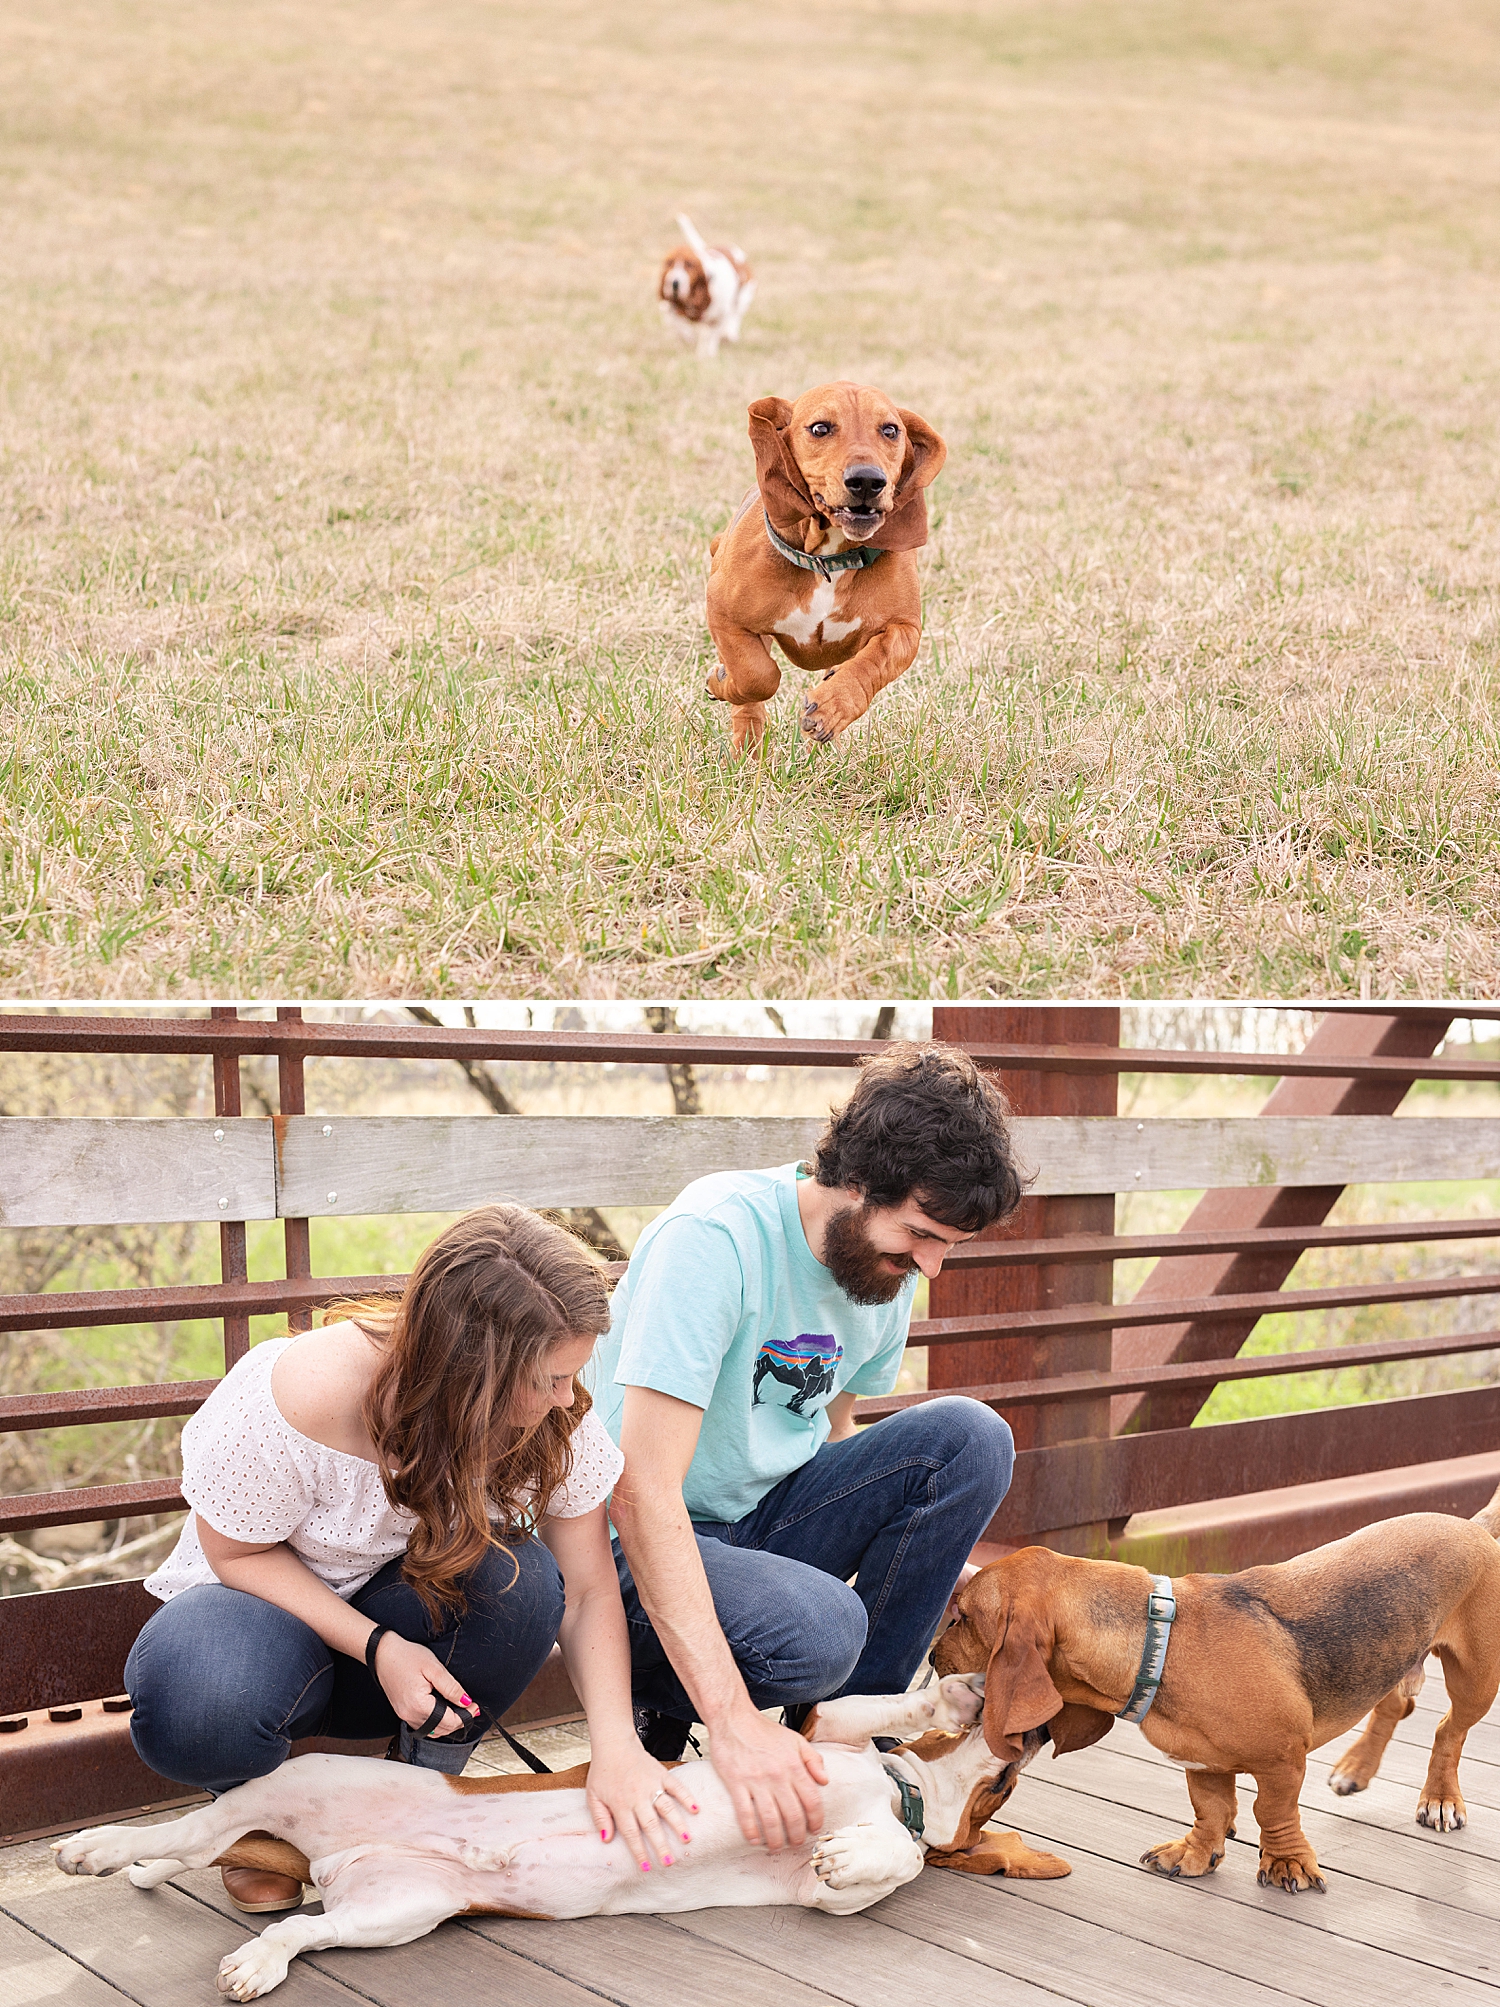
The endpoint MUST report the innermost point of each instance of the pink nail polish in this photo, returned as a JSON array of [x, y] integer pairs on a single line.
[[603, 1833], [666, 1860], [645, 1867]]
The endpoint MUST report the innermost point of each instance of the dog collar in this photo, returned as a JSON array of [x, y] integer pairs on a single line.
[[913, 1812], [1161, 1608], [858, 559]]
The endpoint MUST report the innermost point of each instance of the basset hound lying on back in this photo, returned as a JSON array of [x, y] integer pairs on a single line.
[[393, 1850], [821, 556], [704, 291]]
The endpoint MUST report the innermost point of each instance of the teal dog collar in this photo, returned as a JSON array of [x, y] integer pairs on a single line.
[[913, 1811], [859, 559], [1161, 1609]]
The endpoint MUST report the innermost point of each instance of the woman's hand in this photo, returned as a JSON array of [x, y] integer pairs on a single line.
[[413, 1679], [631, 1794]]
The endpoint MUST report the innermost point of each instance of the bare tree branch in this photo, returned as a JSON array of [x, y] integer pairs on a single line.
[[885, 1022], [680, 1075], [586, 1221]]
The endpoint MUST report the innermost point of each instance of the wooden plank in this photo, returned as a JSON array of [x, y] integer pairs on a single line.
[[134, 1170], [414, 1163], [1374, 1835], [1112, 1929], [1072, 1484], [641, 1961], [143, 1170], [160, 1947], [32, 1972], [417, 1163], [868, 1962], [449, 1964], [1355, 1911]]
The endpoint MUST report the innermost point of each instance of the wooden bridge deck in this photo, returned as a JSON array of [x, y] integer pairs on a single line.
[[1408, 1914]]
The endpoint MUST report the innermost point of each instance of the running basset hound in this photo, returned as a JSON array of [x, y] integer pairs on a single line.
[[394, 1850], [1245, 1673], [821, 557]]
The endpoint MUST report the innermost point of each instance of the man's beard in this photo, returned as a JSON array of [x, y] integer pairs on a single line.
[[860, 1270]]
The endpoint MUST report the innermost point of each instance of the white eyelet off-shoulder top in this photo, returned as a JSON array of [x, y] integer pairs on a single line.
[[256, 1478]]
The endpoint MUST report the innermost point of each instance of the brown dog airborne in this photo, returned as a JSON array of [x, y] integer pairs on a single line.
[[821, 555], [1260, 1668]]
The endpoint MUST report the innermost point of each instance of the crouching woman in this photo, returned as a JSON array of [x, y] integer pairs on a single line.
[[394, 1518]]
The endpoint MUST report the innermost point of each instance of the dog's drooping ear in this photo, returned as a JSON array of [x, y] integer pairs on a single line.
[[1075, 1727], [1018, 1689], [905, 528], [783, 492], [925, 454]]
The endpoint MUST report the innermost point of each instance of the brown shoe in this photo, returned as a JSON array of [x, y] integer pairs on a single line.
[[256, 1890]]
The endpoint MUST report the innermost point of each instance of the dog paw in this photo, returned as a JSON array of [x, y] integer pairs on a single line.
[[252, 1970], [1186, 1856], [1443, 1815], [859, 1854], [102, 1850], [1346, 1781], [834, 704], [958, 1703], [1291, 1872]]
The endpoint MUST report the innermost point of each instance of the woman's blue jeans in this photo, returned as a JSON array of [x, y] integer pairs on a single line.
[[224, 1683], [895, 1510]]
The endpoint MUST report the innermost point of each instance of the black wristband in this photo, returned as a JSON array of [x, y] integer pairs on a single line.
[[371, 1644]]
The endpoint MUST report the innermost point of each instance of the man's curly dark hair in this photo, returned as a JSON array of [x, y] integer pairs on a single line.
[[925, 1123]]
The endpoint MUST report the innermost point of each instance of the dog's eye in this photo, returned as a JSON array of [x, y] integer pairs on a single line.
[[890, 431], [820, 428]]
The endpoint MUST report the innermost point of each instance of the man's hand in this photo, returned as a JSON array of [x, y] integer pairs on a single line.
[[773, 1776]]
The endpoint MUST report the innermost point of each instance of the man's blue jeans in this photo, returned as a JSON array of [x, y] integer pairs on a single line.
[[897, 1507], [224, 1683]]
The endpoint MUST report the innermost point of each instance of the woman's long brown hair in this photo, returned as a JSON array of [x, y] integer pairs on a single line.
[[484, 1303]]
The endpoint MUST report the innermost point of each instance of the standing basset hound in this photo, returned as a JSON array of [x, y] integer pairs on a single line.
[[1236, 1674], [821, 557], [394, 1850], [705, 290]]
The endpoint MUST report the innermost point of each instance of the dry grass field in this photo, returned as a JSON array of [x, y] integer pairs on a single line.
[[355, 500]]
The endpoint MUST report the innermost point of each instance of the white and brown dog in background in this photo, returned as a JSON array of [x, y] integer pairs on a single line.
[[705, 290], [394, 1850]]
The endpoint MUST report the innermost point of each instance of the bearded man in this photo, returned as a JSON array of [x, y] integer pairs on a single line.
[[770, 1554]]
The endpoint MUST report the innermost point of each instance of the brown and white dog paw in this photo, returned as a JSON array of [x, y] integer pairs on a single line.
[[1443, 1815], [1188, 1856], [833, 705], [1346, 1778], [1291, 1872]]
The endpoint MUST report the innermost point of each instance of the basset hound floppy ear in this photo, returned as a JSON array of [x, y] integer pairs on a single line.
[[1018, 1689], [783, 492], [1076, 1726], [905, 528]]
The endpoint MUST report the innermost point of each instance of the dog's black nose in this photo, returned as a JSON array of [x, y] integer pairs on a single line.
[[863, 483]]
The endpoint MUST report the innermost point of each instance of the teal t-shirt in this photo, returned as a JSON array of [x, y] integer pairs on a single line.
[[726, 1306]]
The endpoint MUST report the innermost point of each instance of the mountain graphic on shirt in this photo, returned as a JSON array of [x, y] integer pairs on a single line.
[[805, 1363]]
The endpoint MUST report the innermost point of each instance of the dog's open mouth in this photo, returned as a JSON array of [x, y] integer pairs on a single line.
[[857, 523]]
